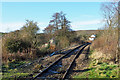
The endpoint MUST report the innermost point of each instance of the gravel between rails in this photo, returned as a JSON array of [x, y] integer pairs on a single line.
[[81, 63], [49, 60], [58, 72]]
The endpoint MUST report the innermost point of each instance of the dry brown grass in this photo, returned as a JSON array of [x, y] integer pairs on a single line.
[[107, 44]]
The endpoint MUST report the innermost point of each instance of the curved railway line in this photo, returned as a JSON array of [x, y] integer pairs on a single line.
[[56, 66], [23, 67]]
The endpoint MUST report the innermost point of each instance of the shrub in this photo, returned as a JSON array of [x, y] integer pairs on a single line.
[[62, 42], [107, 44], [15, 45]]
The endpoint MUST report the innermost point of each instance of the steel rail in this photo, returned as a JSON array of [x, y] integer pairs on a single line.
[[38, 75], [68, 69]]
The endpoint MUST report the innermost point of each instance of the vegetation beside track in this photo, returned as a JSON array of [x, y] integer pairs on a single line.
[[10, 70], [100, 70], [104, 53], [27, 44]]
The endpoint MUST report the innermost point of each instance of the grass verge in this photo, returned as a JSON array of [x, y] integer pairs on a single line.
[[10, 70], [99, 69]]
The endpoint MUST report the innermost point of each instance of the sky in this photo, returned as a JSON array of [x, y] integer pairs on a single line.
[[83, 15]]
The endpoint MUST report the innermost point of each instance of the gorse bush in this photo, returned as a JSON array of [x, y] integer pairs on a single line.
[[62, 42], [28, 32], [15, 45], [21, 43]]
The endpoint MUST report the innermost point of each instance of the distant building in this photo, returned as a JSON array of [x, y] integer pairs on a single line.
[[92, 37], [52, 41], [46, 44]]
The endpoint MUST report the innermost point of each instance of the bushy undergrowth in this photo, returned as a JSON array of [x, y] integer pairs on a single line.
[[21, 44], [107, 45], [15, 45], [62, 42], [103, 56]]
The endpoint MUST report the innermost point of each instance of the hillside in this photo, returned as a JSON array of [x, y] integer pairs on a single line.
[[87, 32]]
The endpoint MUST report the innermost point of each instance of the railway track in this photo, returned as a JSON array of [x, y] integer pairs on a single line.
[[62, 50], [24, 66], [69, 67], [55, 66], [47, 60]]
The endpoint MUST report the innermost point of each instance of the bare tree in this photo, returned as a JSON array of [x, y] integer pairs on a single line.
[[49, 29], [56, 20], [110, 13], [111, 16], [59, 22]]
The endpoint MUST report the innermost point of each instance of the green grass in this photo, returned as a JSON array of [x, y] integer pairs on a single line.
[[100, 71], [13, 75], [10, 70], [13, 64]]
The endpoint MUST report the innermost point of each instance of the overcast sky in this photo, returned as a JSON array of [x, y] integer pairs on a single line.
[[83, 15]]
